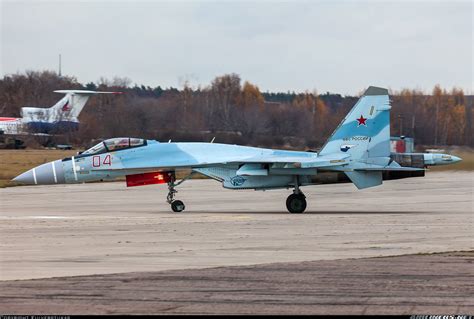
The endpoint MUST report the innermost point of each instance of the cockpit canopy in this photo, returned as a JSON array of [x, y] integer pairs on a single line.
[[115, 144]]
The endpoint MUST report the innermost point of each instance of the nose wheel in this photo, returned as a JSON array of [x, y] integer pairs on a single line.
[[176, 205]]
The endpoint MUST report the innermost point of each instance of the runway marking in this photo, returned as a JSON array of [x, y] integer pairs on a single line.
[[74, 168], [48, 217], [33, 217], [54, 173], [80, 217], [217, 216], [34, 176]]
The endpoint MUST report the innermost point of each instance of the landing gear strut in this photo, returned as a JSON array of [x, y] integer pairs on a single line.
[[296, 202], [176, 205]]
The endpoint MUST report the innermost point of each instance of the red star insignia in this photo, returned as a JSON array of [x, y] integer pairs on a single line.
[[361, 121], [65, 107]]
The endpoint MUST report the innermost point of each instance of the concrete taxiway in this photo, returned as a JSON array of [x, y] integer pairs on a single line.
[[68, 230], [409, 284]]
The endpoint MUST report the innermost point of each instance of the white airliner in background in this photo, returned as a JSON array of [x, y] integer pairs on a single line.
[[62, 116]]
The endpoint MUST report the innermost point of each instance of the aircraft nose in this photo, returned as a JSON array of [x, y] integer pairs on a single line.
[[25, 178], [49, 173], [456, 159]]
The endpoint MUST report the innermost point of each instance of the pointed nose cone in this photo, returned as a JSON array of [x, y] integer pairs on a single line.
[[456, 159], [25, 178], [49, 173]]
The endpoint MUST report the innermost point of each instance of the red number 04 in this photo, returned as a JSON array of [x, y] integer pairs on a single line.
[[96, 161], [107, 160]]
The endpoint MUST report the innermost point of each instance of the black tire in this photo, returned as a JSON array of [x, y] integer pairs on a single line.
[[296, 203], [177, 206]]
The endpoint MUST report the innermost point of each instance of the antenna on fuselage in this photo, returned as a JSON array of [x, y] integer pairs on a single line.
[[169, 141], [212, 141]]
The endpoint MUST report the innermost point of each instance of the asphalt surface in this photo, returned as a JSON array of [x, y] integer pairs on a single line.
[[413, 284], [66, 230], [92, 229]]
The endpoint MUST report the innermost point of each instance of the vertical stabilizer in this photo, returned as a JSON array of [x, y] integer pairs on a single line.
[[71, 105], [365, 131], [64, 114]]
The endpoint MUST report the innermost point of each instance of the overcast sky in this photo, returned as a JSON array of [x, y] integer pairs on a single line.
[[336, 46]]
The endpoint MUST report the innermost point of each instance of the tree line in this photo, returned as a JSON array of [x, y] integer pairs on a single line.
[[234, 111]]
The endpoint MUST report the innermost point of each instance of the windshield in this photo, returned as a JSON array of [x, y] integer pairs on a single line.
[[96, 149]]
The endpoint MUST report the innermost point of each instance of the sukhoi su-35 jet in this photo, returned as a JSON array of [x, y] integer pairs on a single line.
[[358, 151]]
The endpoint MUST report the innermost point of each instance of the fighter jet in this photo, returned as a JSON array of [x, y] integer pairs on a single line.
[[358, 151]]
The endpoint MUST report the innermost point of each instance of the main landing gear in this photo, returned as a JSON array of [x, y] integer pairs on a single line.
[[176, 205], [296, 202]]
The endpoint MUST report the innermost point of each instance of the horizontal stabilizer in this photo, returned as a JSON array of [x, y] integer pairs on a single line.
[[362, 179], [85, 92]]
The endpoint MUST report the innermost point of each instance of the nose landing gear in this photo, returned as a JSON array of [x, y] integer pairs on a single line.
[[176, 205]]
